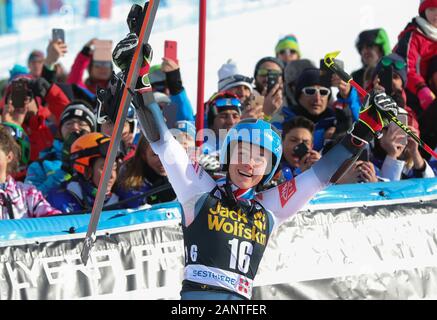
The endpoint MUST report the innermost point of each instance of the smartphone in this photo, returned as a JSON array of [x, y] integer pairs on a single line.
[[102, 51], [171, 50], [385, 76], [272, 80], [58, 34], [300, 150], [19, 93], [326, 73]]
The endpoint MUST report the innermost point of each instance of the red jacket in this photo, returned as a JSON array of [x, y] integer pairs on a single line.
[[40, 135], [417, 49]]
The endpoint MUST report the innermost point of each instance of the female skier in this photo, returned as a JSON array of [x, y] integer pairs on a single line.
[[226, 226]]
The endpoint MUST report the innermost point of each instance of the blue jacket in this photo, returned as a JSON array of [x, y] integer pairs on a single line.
[[46, 173], [76, 195], [183, 104]]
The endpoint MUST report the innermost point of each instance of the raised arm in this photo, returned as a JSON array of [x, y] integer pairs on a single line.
[[288, 198], [189, 180]]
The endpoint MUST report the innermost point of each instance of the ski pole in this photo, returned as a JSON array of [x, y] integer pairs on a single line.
[[330, 63]]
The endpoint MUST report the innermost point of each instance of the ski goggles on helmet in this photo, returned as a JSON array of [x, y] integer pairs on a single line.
[[265, 72], [311, 91], [398, 65], [227, 102]]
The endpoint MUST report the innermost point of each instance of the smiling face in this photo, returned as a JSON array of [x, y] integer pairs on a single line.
[[248, 165]]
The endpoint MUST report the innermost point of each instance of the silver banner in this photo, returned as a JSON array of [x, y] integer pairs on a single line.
[[374, 252]]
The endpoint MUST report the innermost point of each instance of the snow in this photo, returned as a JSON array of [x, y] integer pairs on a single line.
[[236, 29]]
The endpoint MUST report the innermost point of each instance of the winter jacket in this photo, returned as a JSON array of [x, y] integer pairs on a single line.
[[19, 200], [417, 46], [322, 122], [38, 128], [77, 195], [46, 173]]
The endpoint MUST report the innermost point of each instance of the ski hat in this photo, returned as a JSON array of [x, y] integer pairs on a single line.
[[268, 59], [309, 77], [288, 42], [230, 77], [79, 110], [220, 102], [17, 71], [374, 37], [397, 62], [187, 127], [426, 4]]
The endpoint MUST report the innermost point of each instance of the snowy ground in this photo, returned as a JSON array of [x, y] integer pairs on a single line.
[[245, 35]]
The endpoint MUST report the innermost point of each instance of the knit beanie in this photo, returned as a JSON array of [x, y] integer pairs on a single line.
[[288, 42], [230, 77], [394, 57], [374, 37], [268, 59], [81, 111], [425, 4], [309, 77]]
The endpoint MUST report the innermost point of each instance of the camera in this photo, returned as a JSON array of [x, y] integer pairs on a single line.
[[272, 80], [300, 150]]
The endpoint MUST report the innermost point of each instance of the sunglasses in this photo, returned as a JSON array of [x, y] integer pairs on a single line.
[[287, 51], [399, 65], [241, 78], [227, 102], [265, 72], [311, 91]]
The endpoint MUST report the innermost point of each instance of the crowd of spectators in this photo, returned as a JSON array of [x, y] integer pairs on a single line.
[[53, 144]]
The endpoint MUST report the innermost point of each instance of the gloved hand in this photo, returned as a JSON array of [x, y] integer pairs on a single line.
[[426, 97], [123, 54], [208, 162], [40, 87], [373, 112]]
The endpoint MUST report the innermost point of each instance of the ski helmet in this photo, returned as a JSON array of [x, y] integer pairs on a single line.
[[87, 147], [258, 132], [219, 102], [22, 140]]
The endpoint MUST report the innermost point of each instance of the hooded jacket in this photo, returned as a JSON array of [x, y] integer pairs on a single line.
[[417, 45]]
